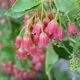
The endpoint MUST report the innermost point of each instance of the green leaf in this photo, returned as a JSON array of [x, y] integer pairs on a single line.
[[22, 5], [62, 52], [11, 13], [65, 5], [51, 56], [73, 13]]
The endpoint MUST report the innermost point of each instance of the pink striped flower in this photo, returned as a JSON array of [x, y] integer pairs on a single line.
[[51, 27], [50, 16], [26, 43], [72, 28], [43, 40], [38, 66], [37, 29], [21, 54], [18, 41], [32, 50], [61, 33]]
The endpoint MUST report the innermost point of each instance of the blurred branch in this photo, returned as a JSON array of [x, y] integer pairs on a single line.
[[73, 75], [8, 18]]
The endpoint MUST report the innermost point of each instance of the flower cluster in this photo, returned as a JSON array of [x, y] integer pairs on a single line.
[[38, 31], [12, 69]]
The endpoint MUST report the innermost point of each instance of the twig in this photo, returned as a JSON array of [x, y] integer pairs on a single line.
[[73, 75], [8, 18]]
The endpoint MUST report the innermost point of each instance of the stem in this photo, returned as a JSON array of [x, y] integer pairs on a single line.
[[73, 76], [48, 74], [51, 7], [56, 15], [31, 40], [59, 21], [66, 48], [42, 11], [77, 72], [71, 39], [46, 14], [41, 25], [26, 26], [47, 70], [41, 17], [68, 18], [46, 7]]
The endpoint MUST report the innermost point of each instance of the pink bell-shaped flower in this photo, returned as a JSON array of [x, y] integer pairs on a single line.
[[43, 40], [35, 59], [21, 71], [38, 66], [50, 16], [72, 28], [61, 33], [37, 29], [26, 43], [40, 51], [4, 6], [25, 75], [45, 22], [55, 35], [32, 50], [26, 18], [42, 58], [21, 54], [36, 40], [18, 41], [51, 27]]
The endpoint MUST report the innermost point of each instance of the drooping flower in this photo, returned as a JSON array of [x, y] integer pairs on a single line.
[[72, 28], [26, 18], [18, 41], [21, 54], [38, 66], [51, 27], [42, 58], [43, 40], [36, 40], [37, 29], [61, 33], [45, 22], [40, 51], [35, 59], [32, 50], [26, 43], [25, 75], [4, 6], [50, 16]]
